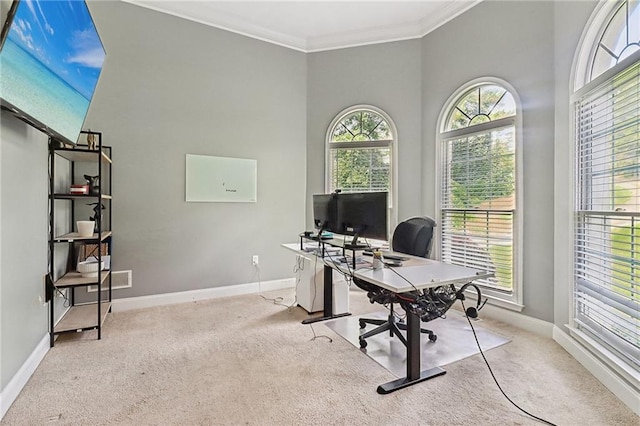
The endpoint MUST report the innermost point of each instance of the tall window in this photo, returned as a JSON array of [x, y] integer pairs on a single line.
[[607, 181], [478, 185], [359, 144]]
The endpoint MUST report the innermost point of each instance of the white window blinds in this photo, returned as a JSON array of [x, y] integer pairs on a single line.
[[607, 233], [360, 169], [478, 201], [359, 147]]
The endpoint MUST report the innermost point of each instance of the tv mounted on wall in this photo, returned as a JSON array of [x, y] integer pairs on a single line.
[[51, 60]]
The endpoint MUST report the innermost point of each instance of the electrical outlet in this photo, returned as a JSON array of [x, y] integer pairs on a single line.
[[255, 260]]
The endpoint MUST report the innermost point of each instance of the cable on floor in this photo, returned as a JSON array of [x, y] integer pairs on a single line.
[[317, 336], [276, 300], [475, 336]]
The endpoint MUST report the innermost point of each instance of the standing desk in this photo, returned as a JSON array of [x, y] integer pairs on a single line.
[[405, 279], [415, 274], [347, 269]]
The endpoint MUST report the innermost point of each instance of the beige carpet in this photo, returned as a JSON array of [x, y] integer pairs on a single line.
[[248, 361]]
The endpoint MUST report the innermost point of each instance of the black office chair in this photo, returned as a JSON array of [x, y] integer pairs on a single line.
[[414, 236]]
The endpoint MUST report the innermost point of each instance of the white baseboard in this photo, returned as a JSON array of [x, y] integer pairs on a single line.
[[621, 389], [20, 379], [125, 304], [507, 316]]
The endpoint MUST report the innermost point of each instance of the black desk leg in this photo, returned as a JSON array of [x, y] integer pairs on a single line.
[[328, 299], [414, 375]]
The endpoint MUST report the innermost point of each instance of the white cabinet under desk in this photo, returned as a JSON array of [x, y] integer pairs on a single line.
[[310, 270], [310, 286]]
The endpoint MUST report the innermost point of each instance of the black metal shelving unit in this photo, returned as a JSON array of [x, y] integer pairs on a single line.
[[88, 315]]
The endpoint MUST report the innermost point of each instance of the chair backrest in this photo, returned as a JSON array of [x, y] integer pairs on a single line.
[[414, 236]]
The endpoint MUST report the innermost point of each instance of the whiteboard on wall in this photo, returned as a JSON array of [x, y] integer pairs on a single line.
[[221, 179]]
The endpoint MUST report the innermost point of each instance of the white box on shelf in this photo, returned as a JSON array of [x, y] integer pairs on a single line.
[[106, 261]]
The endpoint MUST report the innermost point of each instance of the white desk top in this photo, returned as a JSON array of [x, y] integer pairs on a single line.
[[420, 273], [431, 274]]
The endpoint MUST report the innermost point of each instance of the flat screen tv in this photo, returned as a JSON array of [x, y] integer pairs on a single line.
[[51, 59]]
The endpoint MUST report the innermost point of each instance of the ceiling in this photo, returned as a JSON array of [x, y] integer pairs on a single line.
[[311, 26]]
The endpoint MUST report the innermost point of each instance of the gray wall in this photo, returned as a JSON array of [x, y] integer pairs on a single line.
[[172, 87], [512, 41], [387, 76], [23, 254]]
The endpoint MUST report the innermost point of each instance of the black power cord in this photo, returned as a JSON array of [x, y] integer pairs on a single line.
[[484, 358], [475, 336]]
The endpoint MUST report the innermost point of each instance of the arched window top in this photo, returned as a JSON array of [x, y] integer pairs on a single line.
[[611, 36], [360, 156], [479, 104], [361, 125], [619, 38]]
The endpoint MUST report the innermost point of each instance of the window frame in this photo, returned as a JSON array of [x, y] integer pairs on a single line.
[[513, 300], [581, 85], [391, 143]]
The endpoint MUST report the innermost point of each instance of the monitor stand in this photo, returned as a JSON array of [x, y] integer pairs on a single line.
[[353, 245]]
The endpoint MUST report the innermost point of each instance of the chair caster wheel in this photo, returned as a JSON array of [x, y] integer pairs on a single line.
[[362, 324], [433, 337], [363, 343]]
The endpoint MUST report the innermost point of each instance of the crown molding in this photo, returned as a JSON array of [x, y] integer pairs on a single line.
[[236, 24], [446, 14], [231, 23]]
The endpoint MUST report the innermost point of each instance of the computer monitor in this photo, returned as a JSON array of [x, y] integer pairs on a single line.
[[363, 214], [325, 212]]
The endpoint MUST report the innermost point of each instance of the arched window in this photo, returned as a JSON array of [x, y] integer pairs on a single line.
[[606, 245], [360, 152], [618, 39], [478, 191]]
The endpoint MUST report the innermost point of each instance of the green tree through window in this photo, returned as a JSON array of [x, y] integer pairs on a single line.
[[360, 152], [478, 183]]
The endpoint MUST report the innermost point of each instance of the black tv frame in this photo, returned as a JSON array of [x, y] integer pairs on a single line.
[[8, 107], [7, 22]]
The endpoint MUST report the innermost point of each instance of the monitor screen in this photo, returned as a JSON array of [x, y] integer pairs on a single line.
[[363, 214], [325, 211], [51, 60]]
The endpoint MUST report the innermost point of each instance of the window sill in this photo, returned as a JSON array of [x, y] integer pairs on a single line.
[[623, 369], [495, 300]]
